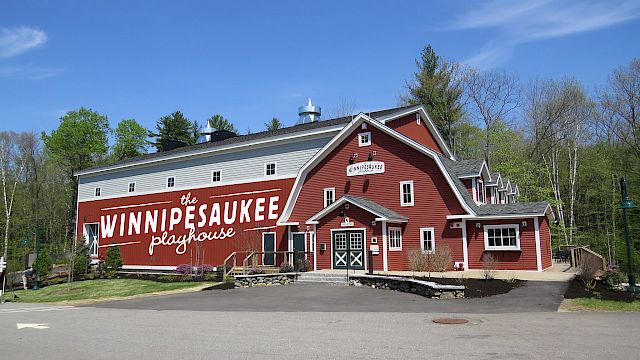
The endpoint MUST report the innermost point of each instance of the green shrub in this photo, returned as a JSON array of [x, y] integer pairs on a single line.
[[614, 278], [304, 265], [81, 260], [113, 262], [285, 267], [43, 264]]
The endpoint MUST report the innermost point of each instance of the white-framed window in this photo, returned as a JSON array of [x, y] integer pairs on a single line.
[[216, 176], [364, 139], [270, 169], [418, 118], [502, 237], [427, 240], [132, 187], [97, 192], [406, 193], [480, 191], [171, 182], [329, 196], [395, 238]]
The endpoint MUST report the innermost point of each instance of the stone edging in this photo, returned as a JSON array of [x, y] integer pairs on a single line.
[[264, 279], [424, 288]]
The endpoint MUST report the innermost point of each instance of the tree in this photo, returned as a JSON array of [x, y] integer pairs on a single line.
[[491, 96], [173, 127], [113, 261], [437, 86], [619, 102], [274, 124], [130, 139], [11, 169], [219, 122], [79, 142]]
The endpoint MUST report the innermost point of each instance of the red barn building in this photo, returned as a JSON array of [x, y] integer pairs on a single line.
[[384, 182]]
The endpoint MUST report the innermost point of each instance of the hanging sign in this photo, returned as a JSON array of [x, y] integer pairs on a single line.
[[347, 222], [365, 168]]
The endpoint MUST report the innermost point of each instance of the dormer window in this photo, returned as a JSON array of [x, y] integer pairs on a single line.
[[364, 139], [418, 118]]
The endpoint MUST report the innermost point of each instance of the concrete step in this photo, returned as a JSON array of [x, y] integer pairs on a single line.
[[322, 278]]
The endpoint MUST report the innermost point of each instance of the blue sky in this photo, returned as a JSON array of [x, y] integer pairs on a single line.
[[252, 60]]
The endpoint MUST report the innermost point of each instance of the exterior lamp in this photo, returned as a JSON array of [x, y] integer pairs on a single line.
[[628, 204], [370, 157]]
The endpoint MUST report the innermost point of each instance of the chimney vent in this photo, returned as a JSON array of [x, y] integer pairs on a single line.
[[308, 113]]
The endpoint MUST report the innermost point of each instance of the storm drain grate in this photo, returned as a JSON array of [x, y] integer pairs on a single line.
[[450, 321]]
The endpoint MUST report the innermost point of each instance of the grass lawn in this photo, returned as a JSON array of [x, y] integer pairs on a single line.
[[606, 305], [97, 289]]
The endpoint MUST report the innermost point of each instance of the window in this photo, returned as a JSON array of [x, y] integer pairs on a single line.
[[132, 187], [418, 119], [98, 191], [270, 169], [427, 240], [406, 193], [215, 176], [501, 237], [171, 182], [329, 196], [395, 238], [480, 191], [364, 139]]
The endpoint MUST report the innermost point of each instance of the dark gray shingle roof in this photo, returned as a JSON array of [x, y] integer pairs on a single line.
[[375, 207], [523, 208], [467, 167]]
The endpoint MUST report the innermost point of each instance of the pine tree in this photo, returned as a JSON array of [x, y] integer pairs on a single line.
[[437, 86], [174, 127], [219, 122], [274, 124]]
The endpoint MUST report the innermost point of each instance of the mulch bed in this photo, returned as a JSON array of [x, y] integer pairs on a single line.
[[577, 290], [477, 288]]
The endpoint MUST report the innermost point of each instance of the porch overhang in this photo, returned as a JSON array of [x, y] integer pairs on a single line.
[[380, 212]]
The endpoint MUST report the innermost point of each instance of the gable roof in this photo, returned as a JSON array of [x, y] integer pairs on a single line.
[[471, 168], [496, 180], [299, 130], [382, 213], [459, 192]]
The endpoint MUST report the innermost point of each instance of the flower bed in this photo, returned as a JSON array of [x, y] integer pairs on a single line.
[[424, 288], [264, 279]]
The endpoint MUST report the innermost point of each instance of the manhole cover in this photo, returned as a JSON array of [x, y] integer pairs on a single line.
[[450, 321]]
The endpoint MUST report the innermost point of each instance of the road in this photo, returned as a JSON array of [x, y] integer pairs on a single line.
[[125, 333]]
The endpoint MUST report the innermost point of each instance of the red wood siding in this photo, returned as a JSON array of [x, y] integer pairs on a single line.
[[545, 242], [215, 251], [408, 126], [525, 259], [433, 199]]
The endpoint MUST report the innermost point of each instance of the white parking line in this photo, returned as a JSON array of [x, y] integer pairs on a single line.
[[35, 309]]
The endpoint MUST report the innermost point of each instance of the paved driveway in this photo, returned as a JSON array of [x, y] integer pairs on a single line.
[[532, 297]]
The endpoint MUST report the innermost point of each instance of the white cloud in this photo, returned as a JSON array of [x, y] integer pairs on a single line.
[[30, 72], [526, 21], [16, 41]]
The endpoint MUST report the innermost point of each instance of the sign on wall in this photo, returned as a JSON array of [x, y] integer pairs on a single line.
[[365, 168]]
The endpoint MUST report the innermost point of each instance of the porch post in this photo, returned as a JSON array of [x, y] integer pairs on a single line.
[[384, 246], [465, 245], [538, 245], [315, 248]]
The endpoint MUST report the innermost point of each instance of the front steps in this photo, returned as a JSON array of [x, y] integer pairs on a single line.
[[322, 278]]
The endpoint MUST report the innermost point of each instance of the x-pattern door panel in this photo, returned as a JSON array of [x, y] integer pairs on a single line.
[[348, 245]]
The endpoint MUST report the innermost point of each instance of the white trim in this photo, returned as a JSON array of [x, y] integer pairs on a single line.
[[261, 228], [362, 143], [120, 244], [147, 267], [385, 264], [465, 246], [324, 191], [474, 190], [194, 187], [501, 248], [429, 122], [86, 236], [315, 249], [275, 169], [348, 129], [167, 182], [129, 187], [219, 176], [399, 230], [413, 193], [538, 245], [431, 230], [302, 135]]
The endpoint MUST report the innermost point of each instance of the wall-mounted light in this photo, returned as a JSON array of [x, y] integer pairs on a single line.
[[370, 158], [346, 206], [351, 160], [478, 225], [373, 223], [524, 223], [341, 213]]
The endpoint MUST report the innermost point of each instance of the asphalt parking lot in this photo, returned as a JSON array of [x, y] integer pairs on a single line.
[[534, 296]]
